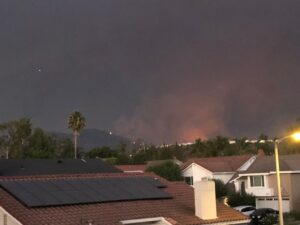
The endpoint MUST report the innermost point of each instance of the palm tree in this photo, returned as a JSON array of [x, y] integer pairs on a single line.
[[76, 122]]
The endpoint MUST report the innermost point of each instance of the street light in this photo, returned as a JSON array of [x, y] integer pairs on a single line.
[[296, 137]]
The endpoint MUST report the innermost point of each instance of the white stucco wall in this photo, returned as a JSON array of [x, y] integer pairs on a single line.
[[9, 218], [197, 172], [260, 191]]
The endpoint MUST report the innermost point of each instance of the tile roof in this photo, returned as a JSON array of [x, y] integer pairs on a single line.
[[220, 163], [265, 164], [132, 168], [24, 167], [180, 208]]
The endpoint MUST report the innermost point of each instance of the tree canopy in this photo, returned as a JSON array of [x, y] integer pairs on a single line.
[[76, 122], [167, 170]]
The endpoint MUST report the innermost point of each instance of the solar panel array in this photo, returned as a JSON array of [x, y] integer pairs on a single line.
[[39, 193]]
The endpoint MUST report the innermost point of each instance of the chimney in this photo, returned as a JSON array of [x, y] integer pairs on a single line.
[[205, 200]]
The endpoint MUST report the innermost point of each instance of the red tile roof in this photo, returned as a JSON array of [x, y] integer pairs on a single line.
[[179, 209], [132, 168], [220, 163]]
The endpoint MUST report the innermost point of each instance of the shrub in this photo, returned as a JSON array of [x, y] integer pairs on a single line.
[[167, 170], [221, 188], [237, 199], [270, 220]]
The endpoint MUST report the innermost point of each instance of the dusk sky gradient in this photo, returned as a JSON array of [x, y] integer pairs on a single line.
[[162, 70]]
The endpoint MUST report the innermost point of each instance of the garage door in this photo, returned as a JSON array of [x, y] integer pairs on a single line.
[[272, 202]]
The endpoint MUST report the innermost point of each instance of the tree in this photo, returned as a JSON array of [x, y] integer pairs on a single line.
[[76, 122], [263, 143], [122, 158], [218, 146], [101, 152], [14, 137], [221, 188], [64, 148], [40, 145], [167, 170]]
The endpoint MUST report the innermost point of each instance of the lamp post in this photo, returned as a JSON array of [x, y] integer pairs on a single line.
[[295, 136], [276, 142]]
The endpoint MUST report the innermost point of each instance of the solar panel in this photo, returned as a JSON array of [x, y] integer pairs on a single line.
[[39, 193]]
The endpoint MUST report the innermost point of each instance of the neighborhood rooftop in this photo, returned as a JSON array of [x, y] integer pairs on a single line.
[[176, 204], [267, 164], [132, 168], [219, 164], [25, 167]]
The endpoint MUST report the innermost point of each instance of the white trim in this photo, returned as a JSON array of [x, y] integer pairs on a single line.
[[253, 174], [224, 173], [187, 167], [145, 220], [11, 216], [284, 172], [247, 175], [253, 158], [133, 171], [229, 222], [196, 164], [266, 173]]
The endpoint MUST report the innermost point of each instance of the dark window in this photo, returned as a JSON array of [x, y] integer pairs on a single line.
[[247, 209], [4, 219], [189, 180]]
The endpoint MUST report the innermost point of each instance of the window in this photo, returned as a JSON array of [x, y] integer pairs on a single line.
[[257, 181], [189, 180], [247, 209]]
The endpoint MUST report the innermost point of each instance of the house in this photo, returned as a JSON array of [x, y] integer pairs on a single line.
[[139, 168], [25, 167], [110, 199], [159, 162], [260, 180], [222, 167]]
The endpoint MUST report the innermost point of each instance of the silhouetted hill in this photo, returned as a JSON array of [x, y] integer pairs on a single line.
[[91, 138]]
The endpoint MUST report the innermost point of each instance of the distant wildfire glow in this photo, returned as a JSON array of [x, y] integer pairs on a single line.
[[178, 116]]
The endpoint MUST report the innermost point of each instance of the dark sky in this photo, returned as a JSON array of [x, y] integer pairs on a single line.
[[163, 70]]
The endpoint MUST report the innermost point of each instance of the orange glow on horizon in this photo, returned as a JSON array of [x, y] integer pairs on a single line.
[[192, 134]]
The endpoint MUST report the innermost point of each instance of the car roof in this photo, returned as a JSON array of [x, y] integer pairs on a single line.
[[243, 206]]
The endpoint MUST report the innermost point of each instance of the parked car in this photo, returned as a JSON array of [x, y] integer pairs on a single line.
[[260, 214], [245, 209]]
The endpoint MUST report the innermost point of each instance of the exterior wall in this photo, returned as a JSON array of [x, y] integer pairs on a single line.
[[266, 190], [295, 192], [266, 196], [225, 177], [197, 172], [285, 183], [10, 220], [238, 183]]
